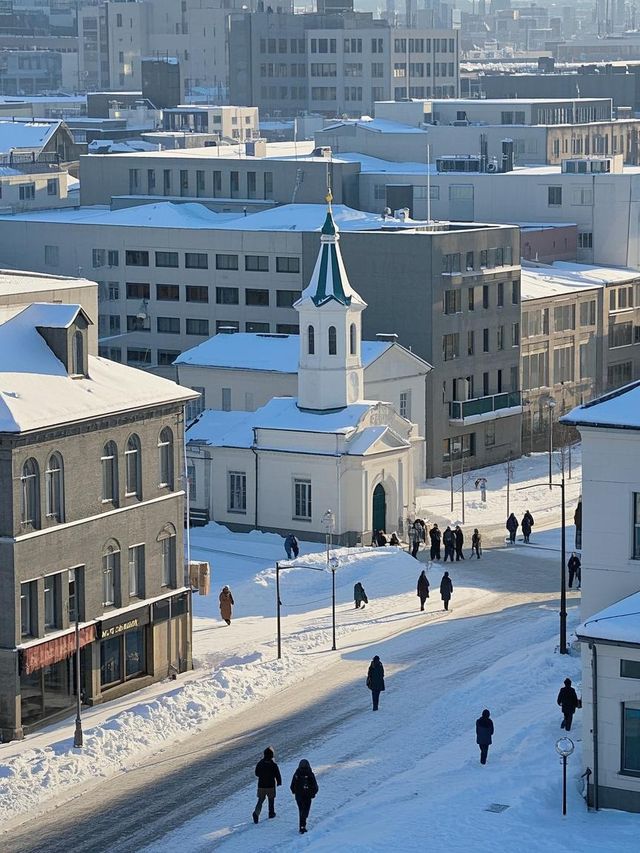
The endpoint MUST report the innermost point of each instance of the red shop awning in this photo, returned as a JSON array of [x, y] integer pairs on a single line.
[[52, 651]]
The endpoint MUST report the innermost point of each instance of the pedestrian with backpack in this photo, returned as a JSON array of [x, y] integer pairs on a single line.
[[304, 788]]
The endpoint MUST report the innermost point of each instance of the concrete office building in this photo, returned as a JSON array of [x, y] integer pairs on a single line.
[[224, 181], [579, 338], [34, 186], [172, 275], [91, 522], [542, 131], [338, 64], [238, 123], [595, 193], [116, 37]]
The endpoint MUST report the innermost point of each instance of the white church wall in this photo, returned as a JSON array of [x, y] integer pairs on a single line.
[[610, 477]]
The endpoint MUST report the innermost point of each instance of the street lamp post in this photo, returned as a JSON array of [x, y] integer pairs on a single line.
[[333, 563], [564, 748], [329, 523], [551, 403], [77, 735], [563, 566], [278, 606]]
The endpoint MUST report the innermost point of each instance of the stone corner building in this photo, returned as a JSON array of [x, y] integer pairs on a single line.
[[91, 521]]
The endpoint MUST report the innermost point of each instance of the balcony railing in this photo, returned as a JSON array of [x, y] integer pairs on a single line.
[[458, 411]]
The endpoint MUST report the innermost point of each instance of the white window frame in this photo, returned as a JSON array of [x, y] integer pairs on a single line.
[[302, 499], [237, 491]]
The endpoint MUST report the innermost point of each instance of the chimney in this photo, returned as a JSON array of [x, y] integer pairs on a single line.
[[389, 337]]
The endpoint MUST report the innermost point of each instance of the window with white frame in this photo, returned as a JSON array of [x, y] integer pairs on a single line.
[[133, 467], [136, 571], [302, 499], [165, 458], [110, 573], [167, 540], [109, 461], [405, 404], [195, 407], [237, 491], [30, 483], [52, 602], [54, 488]]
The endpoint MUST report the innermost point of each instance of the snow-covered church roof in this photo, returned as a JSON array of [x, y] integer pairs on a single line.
[[619, 409], [329, 281], [263, 351], [236, 429]]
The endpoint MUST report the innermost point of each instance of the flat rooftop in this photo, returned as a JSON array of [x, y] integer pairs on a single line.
[[538, 281]]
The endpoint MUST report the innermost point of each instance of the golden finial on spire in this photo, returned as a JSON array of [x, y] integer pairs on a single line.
[[329, 196]]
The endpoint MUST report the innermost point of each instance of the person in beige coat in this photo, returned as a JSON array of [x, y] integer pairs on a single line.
[[226, 604]]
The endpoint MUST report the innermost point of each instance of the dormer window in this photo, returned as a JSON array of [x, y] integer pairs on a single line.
[[77, 354]]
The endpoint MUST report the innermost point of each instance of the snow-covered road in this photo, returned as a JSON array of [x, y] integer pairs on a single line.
[[200, 790]]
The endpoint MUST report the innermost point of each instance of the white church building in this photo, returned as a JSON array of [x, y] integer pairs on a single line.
[[281, 467]]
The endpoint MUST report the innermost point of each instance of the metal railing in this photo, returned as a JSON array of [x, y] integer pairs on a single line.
[[459, 410]]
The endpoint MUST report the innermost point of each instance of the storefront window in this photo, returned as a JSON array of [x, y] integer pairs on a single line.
[[46, 692], [110, 661], [134, 647], [122, 657]]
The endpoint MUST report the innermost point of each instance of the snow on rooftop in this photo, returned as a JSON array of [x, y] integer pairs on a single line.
[[376, 165], [311, 217], [36, 391], [19, 281], [248, 351], [618, 409], [164, 214], [235, 429], [620, 622], [25, 134], [376, 125]]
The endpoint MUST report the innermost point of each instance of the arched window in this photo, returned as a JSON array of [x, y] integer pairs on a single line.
[[311, 340], [78, 354], [353, 339], [133, 467], [109, 460], [54, 479], [30, 480], [110, 572], [333, 341], [167, 540], [165, 457]]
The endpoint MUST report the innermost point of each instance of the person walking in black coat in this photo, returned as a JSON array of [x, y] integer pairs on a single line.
[[446, 589], [268, 774], [476, 543], [512, 525], [435, 536], [375, 680], [568, 701], [575, 569], [449, 541], [304, 788], [484, 734], [459, 537], [527, 525], [291, 545], [359, 596], [423, 588]]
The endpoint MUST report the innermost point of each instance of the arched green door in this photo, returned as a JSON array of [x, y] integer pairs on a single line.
[[379, 508]]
